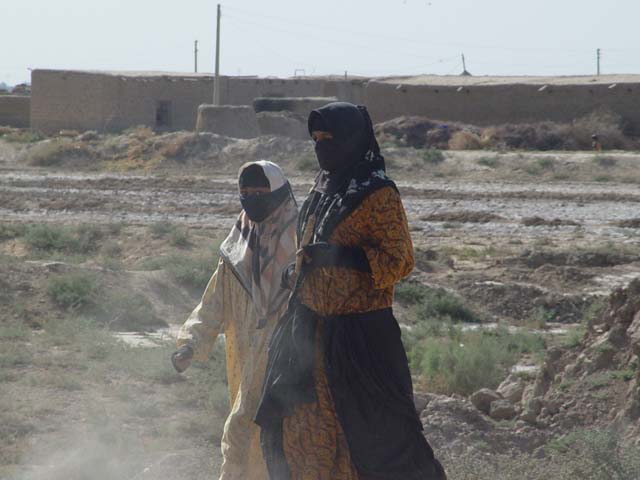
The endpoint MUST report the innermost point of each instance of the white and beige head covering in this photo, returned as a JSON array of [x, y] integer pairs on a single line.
[[258, 253]]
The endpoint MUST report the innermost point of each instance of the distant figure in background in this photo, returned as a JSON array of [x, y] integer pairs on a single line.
[[597, 146], [244, 300], [338, 399]]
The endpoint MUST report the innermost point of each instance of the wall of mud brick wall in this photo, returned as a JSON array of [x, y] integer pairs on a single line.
[[242, 91], [66, 100], [137, 100], [15, 111], [493, 105], [108, 103], [87, 101]]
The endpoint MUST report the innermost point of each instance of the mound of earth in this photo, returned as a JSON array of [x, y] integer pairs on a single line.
[[593, 383], [462, 217], [520, 302], [418, 132], [585, 259], [141, 148], [124, 300], [539, 222], [630, 223]]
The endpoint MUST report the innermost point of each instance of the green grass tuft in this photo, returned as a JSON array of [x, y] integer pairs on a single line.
[[74, 291], [433, 156]]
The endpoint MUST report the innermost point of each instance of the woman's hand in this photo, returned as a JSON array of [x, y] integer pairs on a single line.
[[181, 359], [289, 277]]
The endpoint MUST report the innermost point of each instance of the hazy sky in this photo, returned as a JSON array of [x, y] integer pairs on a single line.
[[367, 37]]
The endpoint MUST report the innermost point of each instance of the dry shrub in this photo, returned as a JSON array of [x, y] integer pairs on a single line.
[[465, 140], [531, 136], [560, 136], [410, 131], [608, 126], [57, 151], [140, 132], [178, 147], [184, 145], [420, 132]]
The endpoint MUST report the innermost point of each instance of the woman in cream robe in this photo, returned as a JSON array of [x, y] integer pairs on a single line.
[[243, 301]]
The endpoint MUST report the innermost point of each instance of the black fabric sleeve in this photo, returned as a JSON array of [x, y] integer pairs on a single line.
[[328, 255]]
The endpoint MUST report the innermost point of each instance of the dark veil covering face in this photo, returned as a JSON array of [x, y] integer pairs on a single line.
[[352, 153]]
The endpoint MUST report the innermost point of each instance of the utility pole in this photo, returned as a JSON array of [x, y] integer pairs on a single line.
[[195, 55], [216, 83], [464, 73], [598, 56]]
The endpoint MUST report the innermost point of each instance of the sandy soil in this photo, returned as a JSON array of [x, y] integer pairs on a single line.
[[511, 243]]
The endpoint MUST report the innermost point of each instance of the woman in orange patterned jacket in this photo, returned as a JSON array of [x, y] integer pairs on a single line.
[[337, 401]]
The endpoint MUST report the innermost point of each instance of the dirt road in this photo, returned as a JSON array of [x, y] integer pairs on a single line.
[[591, 212]]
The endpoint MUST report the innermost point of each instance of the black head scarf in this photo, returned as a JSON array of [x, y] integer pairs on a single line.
[[353, 152]]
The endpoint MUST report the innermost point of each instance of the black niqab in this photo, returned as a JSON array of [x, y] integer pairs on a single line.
[[353, 142]]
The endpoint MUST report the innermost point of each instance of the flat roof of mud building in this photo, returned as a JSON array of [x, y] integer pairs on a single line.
[[464, 81], [129, 74], [189, 75]]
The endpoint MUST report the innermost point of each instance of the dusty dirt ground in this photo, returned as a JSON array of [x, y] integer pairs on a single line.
[[531, 240]]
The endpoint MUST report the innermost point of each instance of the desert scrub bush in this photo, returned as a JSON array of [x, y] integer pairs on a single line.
[[48, 237], [88, 237], [179, 237], [609, 127], [605, 161], [114, 228], [14, 354], [56, 151], [72, 240], [596, 455], [161, 229], [491, 162], [140, 132], [574, 338], [545, 163], [465, 140], [13, 330], [192, 272], [451, 360], [111, 249], [434, 304], [125, 310], [439, 304], [433, 156], [410, 293], [73, 291], [23, 136], [9, 231], [579, 458], [624, 375], [602, 178]]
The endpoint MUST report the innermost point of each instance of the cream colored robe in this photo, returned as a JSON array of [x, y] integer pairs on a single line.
[[227, 308]]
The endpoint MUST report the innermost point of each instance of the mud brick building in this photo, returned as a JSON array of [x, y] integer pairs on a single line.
[[15, 111], [498, 100], [114, 101]]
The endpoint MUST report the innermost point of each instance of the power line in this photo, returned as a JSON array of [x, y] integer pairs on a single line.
[[350, 31], [324, 40]]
